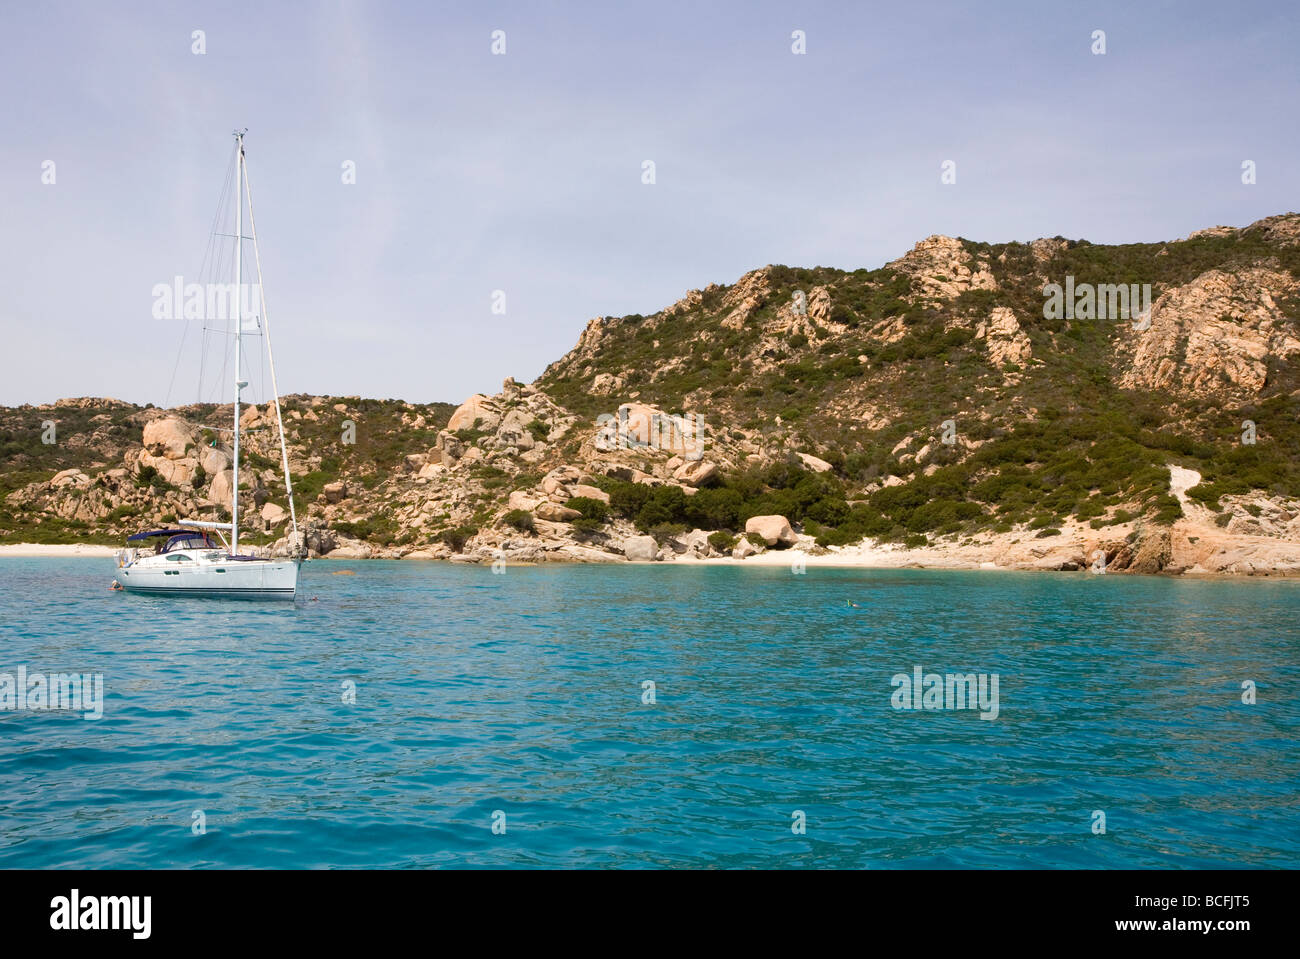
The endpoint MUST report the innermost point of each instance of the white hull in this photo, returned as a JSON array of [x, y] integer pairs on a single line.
[[211, 573]]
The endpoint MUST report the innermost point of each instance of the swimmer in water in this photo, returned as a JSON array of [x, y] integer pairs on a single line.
[[851, 604]]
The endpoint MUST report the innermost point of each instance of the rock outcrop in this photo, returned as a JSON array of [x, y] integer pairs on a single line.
[[1007, 342], [775, 530], [942, 269], [640, 549], [1215, 335], [168, 436]]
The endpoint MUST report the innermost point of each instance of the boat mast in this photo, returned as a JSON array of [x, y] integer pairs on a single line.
[[239, 322]]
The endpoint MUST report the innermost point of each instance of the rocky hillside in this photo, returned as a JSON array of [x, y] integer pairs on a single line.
[[940, 406]]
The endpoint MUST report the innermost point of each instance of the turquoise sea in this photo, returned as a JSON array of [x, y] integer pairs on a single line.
[[517, 700]]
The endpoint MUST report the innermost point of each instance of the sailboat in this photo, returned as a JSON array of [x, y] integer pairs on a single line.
[[189, 561]]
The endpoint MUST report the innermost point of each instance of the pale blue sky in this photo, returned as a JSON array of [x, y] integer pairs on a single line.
[[523, 172]]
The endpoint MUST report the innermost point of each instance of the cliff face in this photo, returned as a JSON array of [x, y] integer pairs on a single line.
[[937, 404], [1216, 336]]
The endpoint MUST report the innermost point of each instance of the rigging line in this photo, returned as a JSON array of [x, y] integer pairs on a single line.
[[208, 258], [216, 266], [226, 352], [225, 363], [275, 389], [180, 351], [185, 326]]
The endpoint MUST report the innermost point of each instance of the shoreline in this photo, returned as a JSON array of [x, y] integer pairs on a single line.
[[869, 558]]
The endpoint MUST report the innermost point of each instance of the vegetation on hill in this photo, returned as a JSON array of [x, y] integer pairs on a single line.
[[1056, 438]]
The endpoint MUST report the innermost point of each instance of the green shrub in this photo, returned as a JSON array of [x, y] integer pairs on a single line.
[[1168, 510], [307, 487], [722, 542], [626, 499], [590, 508], [664, 505], [714, 508], [663, 532], [381, 530], [470, 435], [520, 519], [457, 538]]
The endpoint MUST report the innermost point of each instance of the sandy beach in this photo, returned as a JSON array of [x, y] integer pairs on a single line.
[[55, 549]]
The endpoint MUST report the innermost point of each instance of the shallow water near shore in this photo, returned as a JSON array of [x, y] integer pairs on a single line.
[[522, 694]]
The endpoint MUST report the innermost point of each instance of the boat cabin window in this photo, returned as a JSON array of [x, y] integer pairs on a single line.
[[188, 541]]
